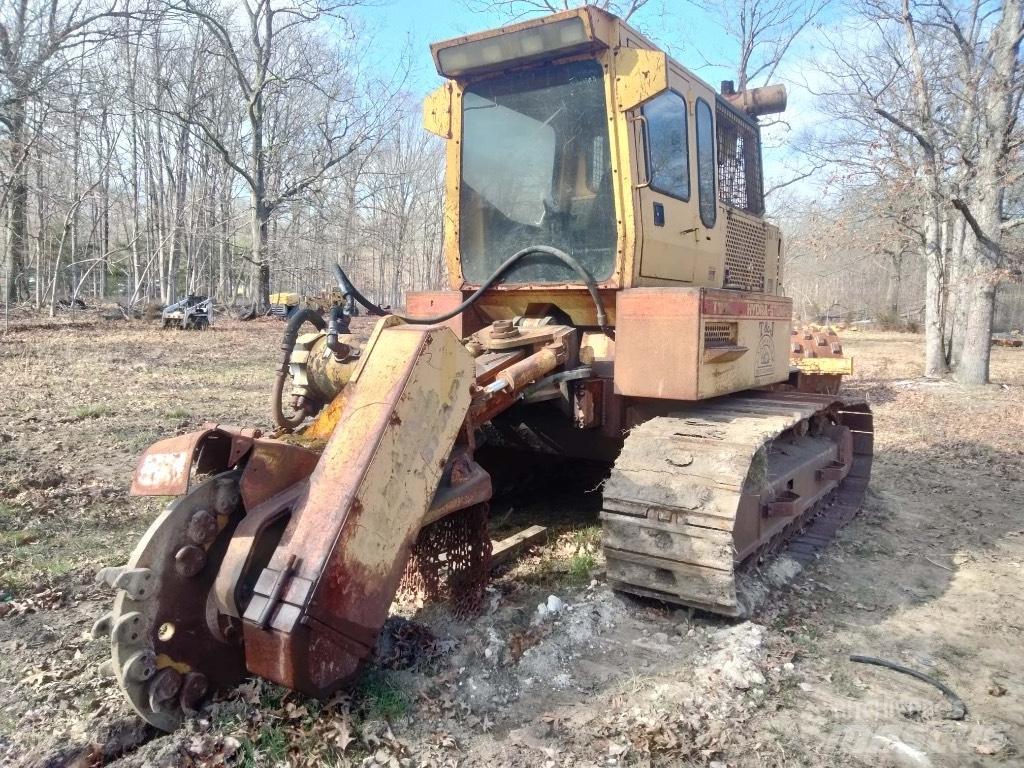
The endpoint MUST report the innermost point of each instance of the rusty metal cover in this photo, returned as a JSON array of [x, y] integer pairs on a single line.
[[432, 303], [165, 468], [273, 466], [350, 533]]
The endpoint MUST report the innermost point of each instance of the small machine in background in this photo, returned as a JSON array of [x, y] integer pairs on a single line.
[[191, 313]]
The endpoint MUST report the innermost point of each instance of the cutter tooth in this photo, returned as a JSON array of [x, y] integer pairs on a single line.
[[227, 496], [128, 629], [163, 689], [189, 560], [105, 668], [140, 666], [109, 574], [102, 626], [202, 527], [137, 582], [193, 688]]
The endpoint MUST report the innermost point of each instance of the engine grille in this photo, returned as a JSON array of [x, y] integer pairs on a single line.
[[744, 254], [719, 334]]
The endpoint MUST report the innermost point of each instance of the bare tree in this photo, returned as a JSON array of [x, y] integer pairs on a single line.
[[39, 43], [933, 98], [274, 53], [993, 87], [762, 30]]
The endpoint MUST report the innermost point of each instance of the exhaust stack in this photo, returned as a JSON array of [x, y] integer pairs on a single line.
[[769, 100]]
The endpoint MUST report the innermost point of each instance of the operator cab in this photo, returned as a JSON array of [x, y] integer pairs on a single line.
[[575, 132]]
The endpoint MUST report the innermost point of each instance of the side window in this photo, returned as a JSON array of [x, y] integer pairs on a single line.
[[665, 140], [739, 162], [706, 164]]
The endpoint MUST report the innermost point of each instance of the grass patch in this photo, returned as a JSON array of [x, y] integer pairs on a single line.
[[587, 539], [380, 696], [585, 543], [844, 684], [176, 414], [272, 696], [788, 686], [567, 562], [34, 558], [269, 747], [580, 566], [12, 518], [92, 412]]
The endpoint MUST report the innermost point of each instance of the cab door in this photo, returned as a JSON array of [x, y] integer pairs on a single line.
[[667, 194]]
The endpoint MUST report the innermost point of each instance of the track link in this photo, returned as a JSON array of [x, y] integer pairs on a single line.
[[700, 495]]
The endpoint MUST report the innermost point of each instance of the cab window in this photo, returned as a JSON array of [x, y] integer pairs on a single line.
[[706, 164], [666, 145], [739, 161]]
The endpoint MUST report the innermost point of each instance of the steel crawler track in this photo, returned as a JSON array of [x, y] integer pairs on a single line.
[[702, 494]]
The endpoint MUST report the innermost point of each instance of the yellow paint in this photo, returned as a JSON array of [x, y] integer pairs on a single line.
[[288, 299], [395, 431], [163, 661], [325, 422], [640, 75], [437, 111], [837, 365]]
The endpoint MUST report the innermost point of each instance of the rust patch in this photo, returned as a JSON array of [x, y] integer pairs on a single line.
[[273, 466], [164, 467]]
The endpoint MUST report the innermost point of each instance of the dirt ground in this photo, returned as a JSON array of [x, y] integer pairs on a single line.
[[929, 575]]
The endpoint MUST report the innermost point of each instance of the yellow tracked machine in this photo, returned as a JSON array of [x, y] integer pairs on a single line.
[[616, 294]]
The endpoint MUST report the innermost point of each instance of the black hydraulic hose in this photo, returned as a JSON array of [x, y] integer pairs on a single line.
[[338, 324], [291, 334], [959, 710], [602, 317]]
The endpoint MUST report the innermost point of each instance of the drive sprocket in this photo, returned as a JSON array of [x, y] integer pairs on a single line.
[[169, 644]]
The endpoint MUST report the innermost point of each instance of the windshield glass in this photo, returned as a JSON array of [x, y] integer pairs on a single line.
[[536, 170]]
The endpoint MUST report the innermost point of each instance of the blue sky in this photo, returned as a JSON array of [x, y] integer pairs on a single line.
[[394, 24], [689, 35]]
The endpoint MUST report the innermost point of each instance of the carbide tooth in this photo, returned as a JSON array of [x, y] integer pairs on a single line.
[[128, 628], [105, 668], [193, 689], [101, 627], [135, 581], [202, 528], [140, 666], [109, 574], [227, 496], [163, 689], [189, 560]]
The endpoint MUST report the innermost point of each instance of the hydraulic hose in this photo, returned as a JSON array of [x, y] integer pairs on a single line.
[[291, 334], [959, 710], [602, 317], [338, 324]]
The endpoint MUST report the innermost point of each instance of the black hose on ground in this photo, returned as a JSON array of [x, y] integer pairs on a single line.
[[959, 710], [602, 317], [291, 334]]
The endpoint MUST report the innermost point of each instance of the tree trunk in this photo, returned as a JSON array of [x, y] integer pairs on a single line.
[[979, 290], [17, 244], [935, 300], [261, 252], [984, 210], [959, 295], [977, 336]]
